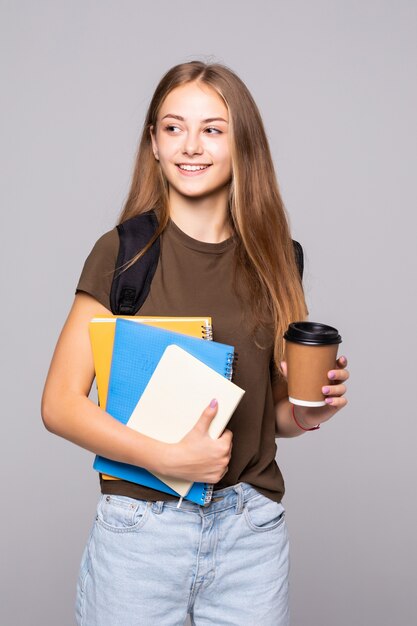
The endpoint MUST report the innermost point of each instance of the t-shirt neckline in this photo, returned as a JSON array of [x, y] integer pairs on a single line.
[[196, 244]]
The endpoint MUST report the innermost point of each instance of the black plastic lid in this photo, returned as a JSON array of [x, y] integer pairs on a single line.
[[312, 334]]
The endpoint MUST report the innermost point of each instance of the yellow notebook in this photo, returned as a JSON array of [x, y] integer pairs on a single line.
[[102, 331]]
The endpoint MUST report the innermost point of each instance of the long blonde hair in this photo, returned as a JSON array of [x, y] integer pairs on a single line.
[[264, 256]]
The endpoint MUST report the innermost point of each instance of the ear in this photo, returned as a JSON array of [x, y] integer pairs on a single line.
[[153, 140]]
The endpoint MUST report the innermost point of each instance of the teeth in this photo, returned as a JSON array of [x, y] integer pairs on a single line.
[[193, 168]]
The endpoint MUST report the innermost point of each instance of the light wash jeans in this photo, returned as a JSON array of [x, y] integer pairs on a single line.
[[149, 563]]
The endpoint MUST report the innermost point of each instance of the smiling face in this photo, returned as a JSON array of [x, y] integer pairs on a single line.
[[191, 141]]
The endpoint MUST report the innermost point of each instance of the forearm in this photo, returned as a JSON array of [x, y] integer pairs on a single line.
[[78, 419], [285, 426]]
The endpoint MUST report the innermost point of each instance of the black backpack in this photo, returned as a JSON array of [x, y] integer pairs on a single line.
[[130, 288]]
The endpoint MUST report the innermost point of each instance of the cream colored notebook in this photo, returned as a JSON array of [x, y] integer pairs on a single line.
[[177, 393]]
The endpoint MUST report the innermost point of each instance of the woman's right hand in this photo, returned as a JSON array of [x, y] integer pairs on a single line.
[[197, 456]]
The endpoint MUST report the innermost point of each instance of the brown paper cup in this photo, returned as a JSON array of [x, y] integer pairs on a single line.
[[307, 368]]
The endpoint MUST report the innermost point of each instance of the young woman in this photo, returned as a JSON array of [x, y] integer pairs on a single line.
[[205, 167]]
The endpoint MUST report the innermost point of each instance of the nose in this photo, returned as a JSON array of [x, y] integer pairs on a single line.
[[192, 143]]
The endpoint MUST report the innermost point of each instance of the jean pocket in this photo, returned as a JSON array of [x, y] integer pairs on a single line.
[[85, 562], [83, 573], [122, 513], [263, 514]]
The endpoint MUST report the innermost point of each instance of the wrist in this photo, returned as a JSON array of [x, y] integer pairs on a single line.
[[303, 418], [160, 457], [166, 460]]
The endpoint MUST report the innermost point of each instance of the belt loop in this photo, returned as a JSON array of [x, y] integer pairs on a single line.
[[158, 506], [239, 503]]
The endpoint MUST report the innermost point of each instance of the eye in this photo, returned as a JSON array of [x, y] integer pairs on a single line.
[[215, 129], [170, 126]]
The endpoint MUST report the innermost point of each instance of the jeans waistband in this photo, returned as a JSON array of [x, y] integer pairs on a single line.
[[230, 497]]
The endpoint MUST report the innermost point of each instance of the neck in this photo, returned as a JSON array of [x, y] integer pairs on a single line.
[[204, 219]]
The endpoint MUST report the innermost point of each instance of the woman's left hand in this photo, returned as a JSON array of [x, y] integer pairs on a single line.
[[334, 393]]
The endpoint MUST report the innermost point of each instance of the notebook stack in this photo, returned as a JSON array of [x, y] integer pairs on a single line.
[[157, 375]]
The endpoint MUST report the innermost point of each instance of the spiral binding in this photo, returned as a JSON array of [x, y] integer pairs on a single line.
[[229, 365], [207, 331], [208, 494]]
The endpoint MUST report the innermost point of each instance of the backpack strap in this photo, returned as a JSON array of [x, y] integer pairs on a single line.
[[299, 257], [130, 287]]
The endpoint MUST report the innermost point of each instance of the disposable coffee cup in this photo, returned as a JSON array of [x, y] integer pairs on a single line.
[[310, 352]]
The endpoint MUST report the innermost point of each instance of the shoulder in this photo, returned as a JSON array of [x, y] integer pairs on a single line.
[[97, 273], [107, 245], [104, 251]]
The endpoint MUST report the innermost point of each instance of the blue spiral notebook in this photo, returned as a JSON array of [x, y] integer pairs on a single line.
[[137, 350]]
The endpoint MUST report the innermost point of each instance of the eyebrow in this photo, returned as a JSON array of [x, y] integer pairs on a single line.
[[209, 119]]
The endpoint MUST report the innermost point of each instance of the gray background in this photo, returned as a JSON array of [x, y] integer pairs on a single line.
[[334, 82]]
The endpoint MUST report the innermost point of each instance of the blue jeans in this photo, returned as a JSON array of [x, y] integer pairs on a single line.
[[150, 563]]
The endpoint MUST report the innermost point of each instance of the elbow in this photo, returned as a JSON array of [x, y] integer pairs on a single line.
[[46, 415], [49, 414], [57, 408]]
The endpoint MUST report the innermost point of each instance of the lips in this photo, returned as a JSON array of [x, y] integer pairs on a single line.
[[203, 166], [193, 164]]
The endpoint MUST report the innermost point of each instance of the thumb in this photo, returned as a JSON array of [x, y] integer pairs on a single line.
[[207, 416]]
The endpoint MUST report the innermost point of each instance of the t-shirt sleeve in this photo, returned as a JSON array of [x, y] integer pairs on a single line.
[[97, 274]]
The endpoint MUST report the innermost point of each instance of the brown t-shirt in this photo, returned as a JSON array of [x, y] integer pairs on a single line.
[[194, 278]]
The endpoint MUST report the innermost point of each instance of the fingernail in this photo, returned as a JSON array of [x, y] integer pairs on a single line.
[[326, 389], [343, 358], [329, 400], [331, 375], [213, 403]]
